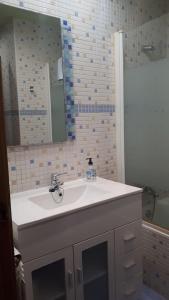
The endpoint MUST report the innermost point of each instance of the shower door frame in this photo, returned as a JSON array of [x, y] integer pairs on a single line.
[[119, 82]]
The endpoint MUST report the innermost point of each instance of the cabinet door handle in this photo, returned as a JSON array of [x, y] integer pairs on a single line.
[[129, 237], [130, 292], [79, 275], [70, 279], [130, 265]]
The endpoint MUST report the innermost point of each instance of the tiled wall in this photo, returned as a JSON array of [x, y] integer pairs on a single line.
[[152, 33], [35, 113], [156, 260], [93, 24]]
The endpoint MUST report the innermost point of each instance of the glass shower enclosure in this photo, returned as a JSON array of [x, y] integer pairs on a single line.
[[146, 115]]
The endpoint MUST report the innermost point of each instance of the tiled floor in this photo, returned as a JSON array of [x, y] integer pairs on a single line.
[[149, 294]]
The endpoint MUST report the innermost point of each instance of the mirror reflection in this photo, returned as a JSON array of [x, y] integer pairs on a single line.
[[32, 77]]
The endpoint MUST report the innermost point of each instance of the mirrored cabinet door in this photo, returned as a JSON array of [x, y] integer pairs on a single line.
[[51, 277], [34, 69], [94, 268]]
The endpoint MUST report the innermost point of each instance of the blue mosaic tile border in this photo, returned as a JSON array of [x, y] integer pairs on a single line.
[[68, 76], [33, 112], [77, 108], [26, 112], [94, 108]]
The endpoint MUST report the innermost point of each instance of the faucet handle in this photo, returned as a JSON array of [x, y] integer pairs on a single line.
[[54, 176]]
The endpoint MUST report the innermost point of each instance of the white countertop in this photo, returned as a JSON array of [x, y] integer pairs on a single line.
[[26, 213]]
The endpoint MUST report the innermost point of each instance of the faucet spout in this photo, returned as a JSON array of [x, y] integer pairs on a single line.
[[55, 182]]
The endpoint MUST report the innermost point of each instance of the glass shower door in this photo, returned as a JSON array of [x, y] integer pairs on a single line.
[[146, 90]]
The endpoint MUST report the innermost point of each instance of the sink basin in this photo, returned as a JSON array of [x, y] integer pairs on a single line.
[[37, 205], [70, 195]]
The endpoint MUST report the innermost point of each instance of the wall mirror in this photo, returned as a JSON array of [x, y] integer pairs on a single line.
[[35, 53]]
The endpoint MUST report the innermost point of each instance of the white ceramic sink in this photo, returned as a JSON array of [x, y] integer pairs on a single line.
[[37, 205], [70, 195]]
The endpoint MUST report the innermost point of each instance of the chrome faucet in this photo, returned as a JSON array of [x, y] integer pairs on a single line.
[[55, 182]]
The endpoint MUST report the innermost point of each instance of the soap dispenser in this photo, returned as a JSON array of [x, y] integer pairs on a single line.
[[91, 172]]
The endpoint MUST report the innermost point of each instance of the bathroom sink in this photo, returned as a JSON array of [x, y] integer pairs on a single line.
[[38, 205], [69, 196]]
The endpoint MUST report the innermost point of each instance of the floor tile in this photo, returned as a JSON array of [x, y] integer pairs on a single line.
[[149, 294]]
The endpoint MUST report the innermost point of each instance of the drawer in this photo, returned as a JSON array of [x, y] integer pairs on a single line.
[[129, 265], [128, 238], [130, 289]]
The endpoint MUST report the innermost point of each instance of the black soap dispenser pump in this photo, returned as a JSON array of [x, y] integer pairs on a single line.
[[91, 172]]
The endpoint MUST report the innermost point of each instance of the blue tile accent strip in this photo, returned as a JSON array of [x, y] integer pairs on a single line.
[[94, 108], [68, 79], [33, 112], [26, 112]]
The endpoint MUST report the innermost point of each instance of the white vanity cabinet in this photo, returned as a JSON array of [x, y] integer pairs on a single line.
[[87, 253], [84, 271], [106, 267]]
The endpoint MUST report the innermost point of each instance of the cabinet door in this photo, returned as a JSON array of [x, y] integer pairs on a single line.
[[50, 277], [94, 268]]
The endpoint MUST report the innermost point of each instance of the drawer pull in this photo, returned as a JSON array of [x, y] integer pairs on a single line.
[[129, 237], [130, 292], [130, 265]]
